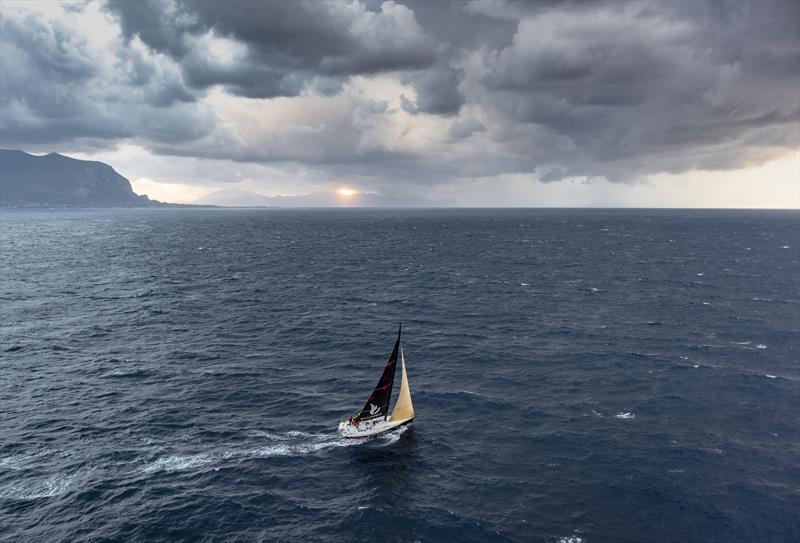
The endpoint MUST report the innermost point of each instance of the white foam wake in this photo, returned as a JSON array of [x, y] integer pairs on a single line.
[[291, 443], [317, 444], [392, 437], [178, 462]]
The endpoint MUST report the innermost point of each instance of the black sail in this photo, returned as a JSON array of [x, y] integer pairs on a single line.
[[378, 403]]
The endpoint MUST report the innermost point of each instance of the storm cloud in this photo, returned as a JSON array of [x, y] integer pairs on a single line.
[[277, 48], [411, 93]]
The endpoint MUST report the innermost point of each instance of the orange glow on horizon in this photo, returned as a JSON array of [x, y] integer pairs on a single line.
[[346, 193]]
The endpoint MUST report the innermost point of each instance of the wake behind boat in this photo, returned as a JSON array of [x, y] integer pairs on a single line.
[[373, 419]]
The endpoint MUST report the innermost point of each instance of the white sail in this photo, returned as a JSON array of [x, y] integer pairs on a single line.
[[403, 409]]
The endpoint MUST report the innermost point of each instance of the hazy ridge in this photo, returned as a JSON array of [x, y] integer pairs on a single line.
[[246, 198]]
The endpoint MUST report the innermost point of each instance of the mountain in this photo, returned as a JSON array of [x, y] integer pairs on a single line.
[[57, 180], [235, 198], [245, 198]]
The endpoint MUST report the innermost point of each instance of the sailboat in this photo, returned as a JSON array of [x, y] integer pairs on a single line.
[[374, 418]]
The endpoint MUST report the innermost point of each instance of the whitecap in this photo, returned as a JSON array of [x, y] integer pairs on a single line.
[[622, 415], [761, 346], [571, 539], [14, 461], [741, 342], [525, 284], [41, 489], [784, 246], [769, 376], [696, 366], [17, 461]]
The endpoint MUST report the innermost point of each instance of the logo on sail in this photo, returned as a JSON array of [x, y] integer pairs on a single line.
[[373, 409]]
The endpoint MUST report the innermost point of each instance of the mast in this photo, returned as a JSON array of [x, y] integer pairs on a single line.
[[378, 403]]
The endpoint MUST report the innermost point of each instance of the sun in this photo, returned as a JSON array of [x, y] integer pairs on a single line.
[[346, 192]]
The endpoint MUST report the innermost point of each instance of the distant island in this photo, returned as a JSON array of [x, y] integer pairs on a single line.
[[246, 198], [56, 180]]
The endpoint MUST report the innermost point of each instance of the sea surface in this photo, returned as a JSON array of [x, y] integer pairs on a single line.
[[579, 376]]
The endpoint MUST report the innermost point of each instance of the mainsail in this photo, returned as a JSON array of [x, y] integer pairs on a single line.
[[403, 409], [378, 403]]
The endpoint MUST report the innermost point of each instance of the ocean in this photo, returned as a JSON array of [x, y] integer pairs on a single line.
[[579, 376]]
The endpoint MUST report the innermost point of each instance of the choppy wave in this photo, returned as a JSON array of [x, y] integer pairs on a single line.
[[152, 391]]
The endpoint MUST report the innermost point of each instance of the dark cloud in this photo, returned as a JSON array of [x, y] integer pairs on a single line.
[[453, 23], [437, 92], [161, 25], [638, 88], [560, 88], [286, 45], [56, 88], [465, 128]]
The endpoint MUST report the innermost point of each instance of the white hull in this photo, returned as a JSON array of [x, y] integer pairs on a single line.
[[370, 428]]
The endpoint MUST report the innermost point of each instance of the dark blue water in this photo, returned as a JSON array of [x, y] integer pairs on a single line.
[[579, 376]]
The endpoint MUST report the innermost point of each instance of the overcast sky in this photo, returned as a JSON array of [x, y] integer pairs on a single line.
[[475, 103]]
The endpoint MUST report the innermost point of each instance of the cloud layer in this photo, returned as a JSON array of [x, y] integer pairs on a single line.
[[410, 93]]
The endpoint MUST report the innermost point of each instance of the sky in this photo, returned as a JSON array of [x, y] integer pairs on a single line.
[[476, 103]]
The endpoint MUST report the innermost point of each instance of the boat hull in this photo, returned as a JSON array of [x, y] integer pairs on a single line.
[[368, 428]]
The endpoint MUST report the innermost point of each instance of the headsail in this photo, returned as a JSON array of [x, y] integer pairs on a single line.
[[378, 403], [403, 409]]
